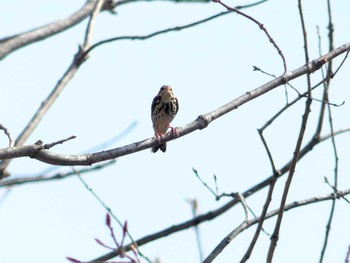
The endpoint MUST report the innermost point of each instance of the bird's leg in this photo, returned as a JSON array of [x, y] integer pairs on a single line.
[[158, 136], [174, 131]]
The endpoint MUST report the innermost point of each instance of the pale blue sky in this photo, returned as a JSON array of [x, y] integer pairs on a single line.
[[207, 66]]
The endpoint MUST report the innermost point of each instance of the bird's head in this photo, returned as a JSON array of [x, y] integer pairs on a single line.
[[166, 92]]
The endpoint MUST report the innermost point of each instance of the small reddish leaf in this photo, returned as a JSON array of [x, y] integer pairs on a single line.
[[73, 260], [125, 227], [103, 244], [99, 242], [108, 220]]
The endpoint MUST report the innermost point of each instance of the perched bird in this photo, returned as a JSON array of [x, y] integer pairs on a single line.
[[164, 109]]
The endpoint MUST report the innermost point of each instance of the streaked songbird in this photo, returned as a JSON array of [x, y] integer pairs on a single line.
[[164, 108]]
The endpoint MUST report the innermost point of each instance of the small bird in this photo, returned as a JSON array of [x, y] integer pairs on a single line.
[[164, 108]]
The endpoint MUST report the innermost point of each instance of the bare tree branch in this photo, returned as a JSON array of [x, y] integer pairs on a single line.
[[194, 208], [172, 29], [58, 176], [160, 32], [270, 214], [336, 159], [221, 210], [261, 26], [7, 132], [61, 84], [109, 211], [200, 123], [275, 235], [12, 43], [347, 257], [209, 216]]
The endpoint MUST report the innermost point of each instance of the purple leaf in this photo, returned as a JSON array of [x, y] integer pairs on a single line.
[[102, 244], [99, 242], [125, 227], [108, 220], [73, 260]]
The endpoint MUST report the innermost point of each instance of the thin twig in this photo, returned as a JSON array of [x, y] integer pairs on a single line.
[[200, 123], [109, 210], [330, 120], [7, 132], [261, 26], [58, 176], [221, 210], [275, 172], [275, 235], [244, 204], [160, 32], [5, 195], [61, 84], [91, 23], [245, 225], [172, 29], [335, 190], [347, 257], [273, 181], [13, 43], [194, 208], [204, 183], [261, 219], [50, 145]]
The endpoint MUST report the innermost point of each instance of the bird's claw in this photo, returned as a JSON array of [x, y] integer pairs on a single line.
[[174, 132]]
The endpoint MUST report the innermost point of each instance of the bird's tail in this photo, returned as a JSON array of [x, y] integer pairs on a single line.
[[162, 147]]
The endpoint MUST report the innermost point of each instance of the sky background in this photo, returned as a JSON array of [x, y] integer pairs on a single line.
[[207, 66]]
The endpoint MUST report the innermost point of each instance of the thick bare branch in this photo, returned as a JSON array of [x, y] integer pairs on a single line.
[[212, 214], [200, 123], [61, 84], [270, 214], [10, 44]]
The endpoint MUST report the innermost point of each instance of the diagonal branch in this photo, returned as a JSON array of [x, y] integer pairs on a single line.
[[261, 26], [221, 210], [275, 235], [336, 159], [200, 123], [61, 84], [45, 178], [209, 216], [12, 43], [157, 33], [172, 29], [270, 214]]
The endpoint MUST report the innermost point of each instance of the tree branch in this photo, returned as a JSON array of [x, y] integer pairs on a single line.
[[220, 247], [7, 133], [261, 26], [221, 210], [78, 59], [58, 176], [11, 44], [275, 235], [209, 216], [172, 29], [200, 123]]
